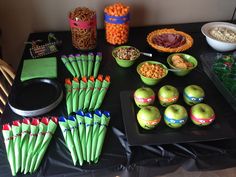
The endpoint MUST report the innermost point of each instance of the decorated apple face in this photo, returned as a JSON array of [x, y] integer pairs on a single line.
[[202, 114], [168, 95], [175, 116], [149, 117], [144, 96], [193, 94]]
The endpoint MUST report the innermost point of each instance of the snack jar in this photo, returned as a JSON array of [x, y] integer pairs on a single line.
[[117, 19], [83, 25]]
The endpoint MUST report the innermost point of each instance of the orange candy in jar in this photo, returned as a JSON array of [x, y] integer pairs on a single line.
[[117, 23]]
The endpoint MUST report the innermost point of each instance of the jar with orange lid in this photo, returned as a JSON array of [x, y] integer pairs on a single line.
[[117, 18]]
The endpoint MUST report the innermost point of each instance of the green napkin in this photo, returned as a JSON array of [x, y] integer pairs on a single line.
[[16, 130], [37, 68], [41, 133], [105, 85], [8, 136], [75, 94], [34, 128], [96, 91], [24, 142], [83, 86], [63, 123], [90, 64], [82, 131], [75, 135], [51, 128], [96, 124], [97, 63], [89, 91], [79, 64], [85, 65], [69, 100], [89, 128], [74, 64], [68, 65], [105, 119]]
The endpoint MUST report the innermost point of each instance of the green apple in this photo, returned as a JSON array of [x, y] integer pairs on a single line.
[[193, 94], [168, 95], [175, 116], [148, 117], [144, 96], [202, 114]]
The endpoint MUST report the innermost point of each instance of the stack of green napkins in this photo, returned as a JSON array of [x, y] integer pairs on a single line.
[[86, 94], [83, 65], [26, 142], [84, 135], [39, 68]]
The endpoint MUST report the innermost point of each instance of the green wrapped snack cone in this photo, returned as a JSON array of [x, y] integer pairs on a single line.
[[97, 62], [69, 67], [41, 133], [90, 64], [96, 124], [88, 93], [74, 64], [105, 85], [85, 65], [82, 132], [16, 130], [75, 135], [69, 101], [51, 128], [8, 135], [89, 129], [34, 128], [24, 141], [79, 64], [75, 94], [83, 87], [96, 90], [68, 138], [105, 119]]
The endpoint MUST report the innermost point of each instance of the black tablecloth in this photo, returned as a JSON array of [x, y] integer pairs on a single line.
[[118, 158]]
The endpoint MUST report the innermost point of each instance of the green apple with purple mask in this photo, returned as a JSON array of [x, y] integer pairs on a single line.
[[175, 116], [168, 95], [193, 94], [144, 96], [202, 114], [149, 117]]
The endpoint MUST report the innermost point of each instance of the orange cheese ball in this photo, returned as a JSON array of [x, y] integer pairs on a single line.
[[117, 33]]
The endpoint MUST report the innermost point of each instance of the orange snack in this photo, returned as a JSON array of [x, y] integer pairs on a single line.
[[152, 70], [117, 23]]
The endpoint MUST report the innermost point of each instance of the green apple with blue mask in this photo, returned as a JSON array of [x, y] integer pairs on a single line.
[[144, 96], [149, 117], [175, 116], [193, 94]]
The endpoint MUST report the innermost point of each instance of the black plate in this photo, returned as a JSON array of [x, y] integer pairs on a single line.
[[163, 134], [35, 96]]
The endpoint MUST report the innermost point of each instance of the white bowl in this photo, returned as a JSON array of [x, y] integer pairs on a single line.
[[216, 44]]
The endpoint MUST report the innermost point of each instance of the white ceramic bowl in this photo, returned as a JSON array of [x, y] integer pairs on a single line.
[[216, 44]]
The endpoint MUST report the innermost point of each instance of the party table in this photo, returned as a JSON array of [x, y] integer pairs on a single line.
[[118, 157]]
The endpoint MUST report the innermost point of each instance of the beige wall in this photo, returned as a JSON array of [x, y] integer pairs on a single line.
[[19, 18]]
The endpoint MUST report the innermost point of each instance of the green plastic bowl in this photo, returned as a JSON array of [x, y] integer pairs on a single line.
[[124, 62], [151, 81], [187, 57]]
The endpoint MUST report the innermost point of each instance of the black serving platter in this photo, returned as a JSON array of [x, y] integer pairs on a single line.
[[162, 134], [35, 96]]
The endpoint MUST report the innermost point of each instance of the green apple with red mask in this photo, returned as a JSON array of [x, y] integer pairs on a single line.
[[175, 116], [202, 114], [144, 96], [149, 117], [193, 94], [168, 95]]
